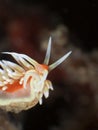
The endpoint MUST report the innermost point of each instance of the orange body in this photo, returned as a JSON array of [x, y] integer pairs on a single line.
[[13, 87]]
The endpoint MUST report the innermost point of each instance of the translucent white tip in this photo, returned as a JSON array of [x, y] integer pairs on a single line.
[[47, 57], [55, 64]]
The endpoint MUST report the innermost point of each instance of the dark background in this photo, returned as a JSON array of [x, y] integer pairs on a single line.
[[81, 17], [59, 112]]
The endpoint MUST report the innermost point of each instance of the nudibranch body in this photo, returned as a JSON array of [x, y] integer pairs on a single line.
[[23, 84]]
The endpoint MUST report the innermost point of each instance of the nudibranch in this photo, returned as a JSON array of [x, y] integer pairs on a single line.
[[23, 84]]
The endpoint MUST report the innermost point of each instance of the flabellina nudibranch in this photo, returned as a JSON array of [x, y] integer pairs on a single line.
[[23, 84]]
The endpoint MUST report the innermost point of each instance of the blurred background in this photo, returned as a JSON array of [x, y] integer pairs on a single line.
[[25, 27]]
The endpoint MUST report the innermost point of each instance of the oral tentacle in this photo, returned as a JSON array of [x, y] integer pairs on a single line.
[[55, 64], [47, 57]]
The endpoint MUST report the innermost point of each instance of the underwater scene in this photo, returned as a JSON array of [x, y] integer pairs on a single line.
[[48, 65]]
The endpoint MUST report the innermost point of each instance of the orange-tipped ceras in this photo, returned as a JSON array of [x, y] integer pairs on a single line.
[[23, 85]]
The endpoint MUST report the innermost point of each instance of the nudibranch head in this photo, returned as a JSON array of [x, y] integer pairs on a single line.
[[23, 84]]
